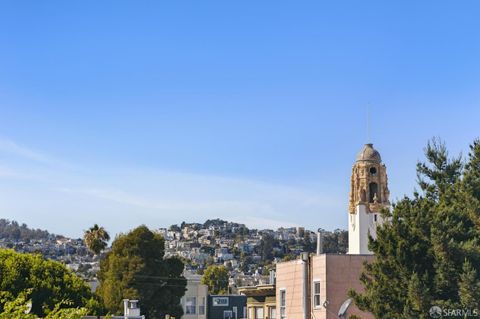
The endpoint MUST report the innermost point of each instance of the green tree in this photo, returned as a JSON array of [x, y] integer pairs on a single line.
[[208, 250], [265, 248], [20, 308], [96, 239], [216, 278], [135, 268], [174, 228], [428, 253], [289, 257], [47, 283], [67, 313], [245, 262], [335, 242], [17, 308]]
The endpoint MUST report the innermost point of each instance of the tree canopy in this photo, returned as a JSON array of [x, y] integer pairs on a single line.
[[20, 308], [428, 252], [335, 242], [12, 230], [48, 283], [216, 278], [136, 268]]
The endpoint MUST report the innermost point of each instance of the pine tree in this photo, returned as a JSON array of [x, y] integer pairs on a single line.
[[136, 268], [469, 287], [428, 253]]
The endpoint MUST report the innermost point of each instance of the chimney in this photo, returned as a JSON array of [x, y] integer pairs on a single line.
[[305, 283], [130, 309], [319, 242], [125, 307]]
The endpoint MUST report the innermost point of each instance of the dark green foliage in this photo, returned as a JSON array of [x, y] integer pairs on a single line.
[[306, 244], [289, 257], [214, 222], [96, 239], [265, 249], [19, 308], [174, 228], [216, 278], [245, 262], [208, 250], [47, 282], [15, 308], [429, 251], [12, 230], [135, 268], [335, 242]]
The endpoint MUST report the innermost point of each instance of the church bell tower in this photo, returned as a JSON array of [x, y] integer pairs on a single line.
[[369, 194]]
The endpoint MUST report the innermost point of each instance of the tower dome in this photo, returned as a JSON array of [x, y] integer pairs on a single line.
[[369, 154], [369, 195]]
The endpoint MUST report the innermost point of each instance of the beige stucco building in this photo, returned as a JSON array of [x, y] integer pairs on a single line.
[[316, 287], [194, 302]]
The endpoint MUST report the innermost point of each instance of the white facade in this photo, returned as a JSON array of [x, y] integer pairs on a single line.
[[360, 226]]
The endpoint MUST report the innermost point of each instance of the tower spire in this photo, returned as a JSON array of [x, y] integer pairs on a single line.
[[368, 123]]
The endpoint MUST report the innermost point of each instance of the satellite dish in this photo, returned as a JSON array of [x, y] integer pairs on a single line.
[[344, 307], [325, 303]]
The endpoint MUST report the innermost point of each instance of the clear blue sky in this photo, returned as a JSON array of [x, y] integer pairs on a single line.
[[131, 112]]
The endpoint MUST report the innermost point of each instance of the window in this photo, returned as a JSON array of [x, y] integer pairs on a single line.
[[373, 192], [235, 312], [258, 312], [190, 305], [273, 313], [283, 304], [227, 314], [201, 306], [373, 170], [251, 314], [316, 294], [375, 217]]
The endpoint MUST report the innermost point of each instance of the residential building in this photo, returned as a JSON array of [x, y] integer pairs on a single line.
[[227, 307], [315, 287], [194, 302], [261, 302]]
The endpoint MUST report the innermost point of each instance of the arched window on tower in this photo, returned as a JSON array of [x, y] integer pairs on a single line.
[[373, 191]]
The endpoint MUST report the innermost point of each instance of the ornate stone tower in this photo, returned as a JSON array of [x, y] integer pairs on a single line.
[[368, 195]]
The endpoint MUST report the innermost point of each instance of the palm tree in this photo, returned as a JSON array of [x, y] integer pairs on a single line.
[[96, 239]]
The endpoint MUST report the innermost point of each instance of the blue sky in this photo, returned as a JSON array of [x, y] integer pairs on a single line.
[[129, 112]]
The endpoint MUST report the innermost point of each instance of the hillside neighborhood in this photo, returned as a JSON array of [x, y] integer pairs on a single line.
[[239, 159], [248, 254]]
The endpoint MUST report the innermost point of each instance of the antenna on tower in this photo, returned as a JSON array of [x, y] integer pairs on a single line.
[[368, 122]]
